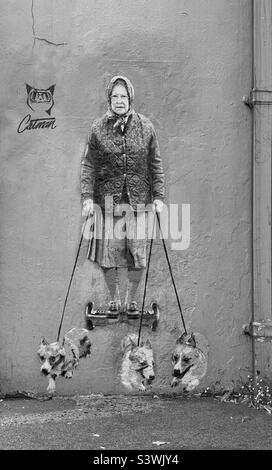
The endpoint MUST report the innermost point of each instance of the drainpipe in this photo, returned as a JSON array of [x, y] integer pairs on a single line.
[[259, 101]]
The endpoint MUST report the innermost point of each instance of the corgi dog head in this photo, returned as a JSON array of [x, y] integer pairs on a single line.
[[189, 362], [52, 356], [138, 363]]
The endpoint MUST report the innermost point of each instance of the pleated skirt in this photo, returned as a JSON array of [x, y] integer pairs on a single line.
[[118, 239]]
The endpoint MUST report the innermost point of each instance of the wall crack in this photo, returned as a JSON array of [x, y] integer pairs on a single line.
[[36, 38]]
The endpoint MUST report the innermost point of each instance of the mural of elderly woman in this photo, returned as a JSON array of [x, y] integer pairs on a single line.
[[122, 161]]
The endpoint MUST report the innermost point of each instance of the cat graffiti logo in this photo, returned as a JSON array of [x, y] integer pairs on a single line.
[[40, 101]]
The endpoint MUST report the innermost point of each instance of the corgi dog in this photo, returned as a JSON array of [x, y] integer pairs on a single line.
[[137, 370], [61, 358], [189, 363]]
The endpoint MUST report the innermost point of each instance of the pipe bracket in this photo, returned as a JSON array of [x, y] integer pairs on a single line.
[[262, 330], [258, 97]]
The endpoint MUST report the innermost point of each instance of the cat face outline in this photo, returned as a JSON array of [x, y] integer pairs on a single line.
[[40, 99]]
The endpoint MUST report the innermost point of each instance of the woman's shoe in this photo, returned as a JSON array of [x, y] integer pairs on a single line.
[[131, 310], [113, 309]]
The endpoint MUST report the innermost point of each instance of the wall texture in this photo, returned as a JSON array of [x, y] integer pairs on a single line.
[[190, 63]]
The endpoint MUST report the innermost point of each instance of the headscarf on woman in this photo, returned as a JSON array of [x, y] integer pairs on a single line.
[[122, 80]]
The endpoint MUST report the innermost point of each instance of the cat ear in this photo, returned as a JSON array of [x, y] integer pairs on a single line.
[[51, 89], [28, 88]]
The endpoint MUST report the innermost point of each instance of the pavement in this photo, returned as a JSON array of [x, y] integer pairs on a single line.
[[152, 422]]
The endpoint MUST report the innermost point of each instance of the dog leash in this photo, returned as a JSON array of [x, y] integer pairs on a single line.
[[171, 274], [146, 279], [72, 275]]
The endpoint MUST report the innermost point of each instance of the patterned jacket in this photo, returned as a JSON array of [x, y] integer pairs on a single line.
[[114, 158]]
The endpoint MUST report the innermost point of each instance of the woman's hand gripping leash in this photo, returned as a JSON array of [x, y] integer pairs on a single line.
[[158, 206], [87, 208]]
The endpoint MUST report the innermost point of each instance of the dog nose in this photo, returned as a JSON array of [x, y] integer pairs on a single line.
[[176, 373], [151, 377], [44, 372]]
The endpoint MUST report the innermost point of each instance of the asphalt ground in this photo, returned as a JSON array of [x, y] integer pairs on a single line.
[[139, 423]]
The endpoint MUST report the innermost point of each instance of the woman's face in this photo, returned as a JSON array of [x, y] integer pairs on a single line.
[[119, 100]]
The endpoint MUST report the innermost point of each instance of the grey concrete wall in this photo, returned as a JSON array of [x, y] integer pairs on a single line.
[[190, 63]]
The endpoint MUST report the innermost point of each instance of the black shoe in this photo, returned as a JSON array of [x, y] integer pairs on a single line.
[[131, 310]]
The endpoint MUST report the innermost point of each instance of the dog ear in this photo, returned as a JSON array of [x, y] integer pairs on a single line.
[[148, 344], [132, 342], [191, 340], [187, 339], [62, 351], [43, 341], [181, 339], [83, 340], [85, 345]]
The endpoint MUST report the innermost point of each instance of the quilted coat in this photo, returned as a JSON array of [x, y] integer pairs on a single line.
[[116, 160]]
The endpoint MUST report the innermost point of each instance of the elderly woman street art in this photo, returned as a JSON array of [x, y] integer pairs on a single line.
[[121, 173]]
